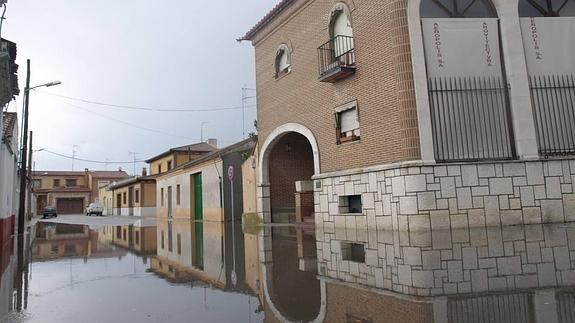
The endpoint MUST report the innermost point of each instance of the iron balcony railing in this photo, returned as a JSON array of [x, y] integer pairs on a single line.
[[553, 100], [470, 119], [338, 52]]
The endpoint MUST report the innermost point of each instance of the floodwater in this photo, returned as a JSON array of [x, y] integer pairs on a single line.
[[182, 271]]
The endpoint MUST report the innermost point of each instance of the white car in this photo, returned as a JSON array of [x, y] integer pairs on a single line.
[[94, 209]]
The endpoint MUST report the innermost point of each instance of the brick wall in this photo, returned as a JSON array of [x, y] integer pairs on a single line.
[[287, 167], [347, 304], [382, 84]]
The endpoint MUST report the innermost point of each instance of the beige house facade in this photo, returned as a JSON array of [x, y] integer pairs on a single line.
[[200, 189], [178, 156], [401, 123], [134, 196]]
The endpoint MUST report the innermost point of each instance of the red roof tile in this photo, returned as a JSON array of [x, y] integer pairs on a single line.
[[266, 19]]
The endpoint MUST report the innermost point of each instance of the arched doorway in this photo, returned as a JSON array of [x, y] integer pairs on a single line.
[[288, 160]]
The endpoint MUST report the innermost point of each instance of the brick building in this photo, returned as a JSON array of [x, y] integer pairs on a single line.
[[413, 114], [70, 191]]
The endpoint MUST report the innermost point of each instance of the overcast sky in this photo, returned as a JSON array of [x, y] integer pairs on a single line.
[[158, 54]]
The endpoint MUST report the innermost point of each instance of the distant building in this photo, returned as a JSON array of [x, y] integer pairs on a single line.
[[200, 189], [175, 157], [134, 196], [70, 192], [106, 198]]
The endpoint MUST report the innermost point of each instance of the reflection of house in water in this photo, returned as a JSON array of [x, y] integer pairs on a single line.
[[7, 270], [510, 274], [138, 239], [55, 241], [213, 254]]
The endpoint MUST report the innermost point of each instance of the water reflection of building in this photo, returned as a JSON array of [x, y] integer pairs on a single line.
[[138, 239], [524, 274], [212, 254], [56, 241], [7, 272]]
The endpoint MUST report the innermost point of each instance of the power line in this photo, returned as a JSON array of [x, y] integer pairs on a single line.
[[91, 160], [129, 107], [127, 123]]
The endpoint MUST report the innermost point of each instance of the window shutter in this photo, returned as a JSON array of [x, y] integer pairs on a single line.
[[349, 120]]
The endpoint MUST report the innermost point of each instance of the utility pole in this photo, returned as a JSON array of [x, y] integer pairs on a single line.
[[73, 156], [29, 207], [23, 154], [134, 154]]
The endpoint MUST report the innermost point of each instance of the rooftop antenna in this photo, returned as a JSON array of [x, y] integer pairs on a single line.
[[245, 97], [202, 130], [73, 155], [133, 153]]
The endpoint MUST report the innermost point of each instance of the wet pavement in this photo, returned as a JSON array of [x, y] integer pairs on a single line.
[[127, 270]]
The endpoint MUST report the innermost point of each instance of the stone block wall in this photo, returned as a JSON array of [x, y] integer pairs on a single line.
[[467, 195]]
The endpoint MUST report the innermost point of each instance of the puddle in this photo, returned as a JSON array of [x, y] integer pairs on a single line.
[[182, 271]]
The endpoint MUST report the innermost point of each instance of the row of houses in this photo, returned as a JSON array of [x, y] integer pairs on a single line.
[[187, 182]]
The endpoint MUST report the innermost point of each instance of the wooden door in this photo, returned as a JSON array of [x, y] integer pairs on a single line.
[[198, 223]]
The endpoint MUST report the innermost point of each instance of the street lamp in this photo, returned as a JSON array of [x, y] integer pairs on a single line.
[[24, 150]]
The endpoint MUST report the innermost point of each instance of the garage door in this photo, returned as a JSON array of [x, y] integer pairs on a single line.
[[70, 206]]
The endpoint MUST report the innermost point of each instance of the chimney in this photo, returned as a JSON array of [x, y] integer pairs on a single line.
[[144, 172], [119, 169], [86, 170], [213, 142]]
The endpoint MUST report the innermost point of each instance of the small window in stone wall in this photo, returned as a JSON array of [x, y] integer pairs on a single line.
[[137, 196], [350, 204], [347, 123], [353, 252]]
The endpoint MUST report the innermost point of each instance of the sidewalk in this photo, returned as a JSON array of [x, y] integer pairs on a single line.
[[99, 221]]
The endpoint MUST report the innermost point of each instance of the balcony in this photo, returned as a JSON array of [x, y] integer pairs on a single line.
[[336, 59]]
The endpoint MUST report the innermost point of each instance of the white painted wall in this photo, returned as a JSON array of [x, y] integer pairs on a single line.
[[211, 172], [8, 177], [138, 211]]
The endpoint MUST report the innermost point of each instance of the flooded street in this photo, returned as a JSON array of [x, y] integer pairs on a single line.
[[182, 271]]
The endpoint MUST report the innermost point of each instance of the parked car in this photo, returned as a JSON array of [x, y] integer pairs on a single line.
[[49, 211], [95, 209]]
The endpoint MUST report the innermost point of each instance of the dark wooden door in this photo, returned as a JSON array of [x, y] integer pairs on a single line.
[[70, 205]]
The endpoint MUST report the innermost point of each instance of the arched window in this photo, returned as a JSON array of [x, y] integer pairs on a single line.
[[337, 55], [340, 29], [282, 63], [457, 9], [547, 8]]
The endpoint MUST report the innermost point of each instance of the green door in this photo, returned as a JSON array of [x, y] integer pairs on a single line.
[[198, 223], [198, 208]]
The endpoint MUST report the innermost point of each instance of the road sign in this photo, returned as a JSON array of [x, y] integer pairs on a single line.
[[231, 173]]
